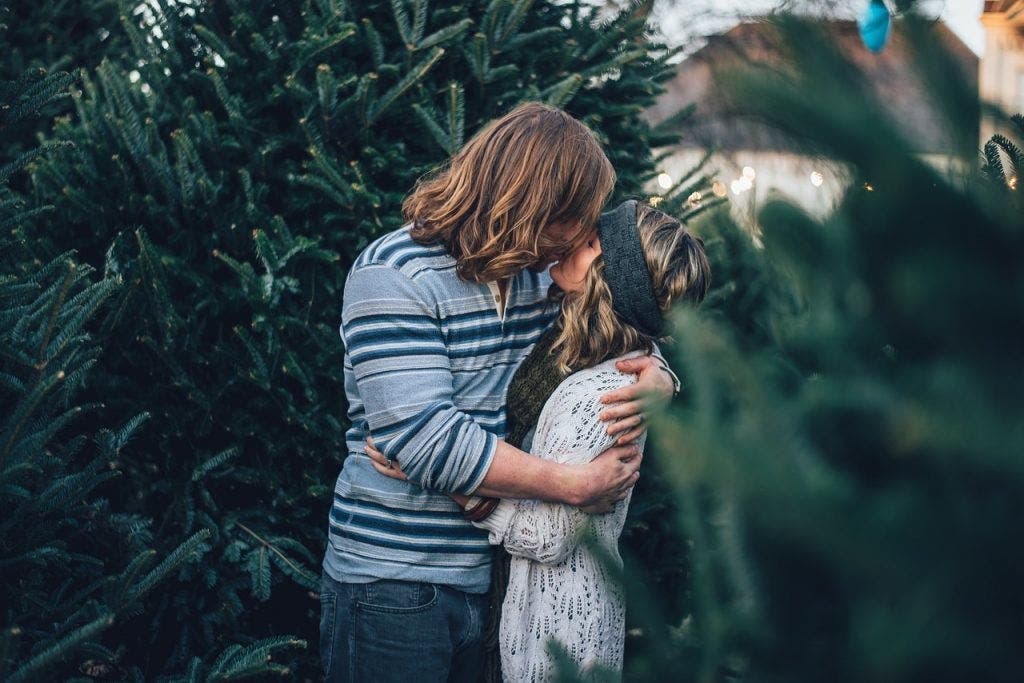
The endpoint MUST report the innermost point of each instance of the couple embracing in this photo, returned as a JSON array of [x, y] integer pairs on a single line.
[[497, 401]]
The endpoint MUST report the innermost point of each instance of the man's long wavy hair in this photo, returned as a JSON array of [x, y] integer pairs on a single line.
[[589, 330], [491, 203]]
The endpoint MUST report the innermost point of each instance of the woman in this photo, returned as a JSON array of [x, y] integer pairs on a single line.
[[614, 291]]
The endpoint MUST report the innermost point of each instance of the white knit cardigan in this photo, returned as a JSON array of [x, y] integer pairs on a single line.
[[558, 587]]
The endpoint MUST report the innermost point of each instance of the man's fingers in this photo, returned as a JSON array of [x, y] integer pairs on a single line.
[[634, 366], [630, 392], [631, 436], [622, 453], [625, 424], [622, 410]]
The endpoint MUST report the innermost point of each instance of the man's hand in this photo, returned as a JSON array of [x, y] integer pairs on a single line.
[[653, 390], [608, 478], [380, 462]]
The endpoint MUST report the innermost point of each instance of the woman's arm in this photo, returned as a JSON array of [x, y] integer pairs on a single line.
[[568, 432]]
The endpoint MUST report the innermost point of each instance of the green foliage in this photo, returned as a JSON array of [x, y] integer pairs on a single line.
[[72, 564], [225, 175], [845, 461], [48, 37]]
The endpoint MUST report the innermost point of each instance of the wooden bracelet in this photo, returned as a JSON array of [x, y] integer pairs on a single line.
[[481, 510]]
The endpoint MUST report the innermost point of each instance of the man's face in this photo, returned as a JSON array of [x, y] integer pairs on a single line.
[[556, 241]]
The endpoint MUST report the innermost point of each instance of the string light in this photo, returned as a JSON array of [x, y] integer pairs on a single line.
[[664, 181], [719, 189], [817, 179], [694, 199], [749, 173]]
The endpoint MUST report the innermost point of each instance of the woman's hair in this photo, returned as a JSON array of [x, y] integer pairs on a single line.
[[490, 204], [589, 329]]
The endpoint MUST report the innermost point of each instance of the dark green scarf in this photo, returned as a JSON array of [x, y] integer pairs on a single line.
[[532, 385]]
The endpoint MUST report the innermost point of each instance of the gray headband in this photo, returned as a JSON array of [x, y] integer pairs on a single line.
[[625, 270]]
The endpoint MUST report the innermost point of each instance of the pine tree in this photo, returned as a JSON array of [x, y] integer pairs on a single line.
[[70, 563], [228, 171], [847, 474], [51, 37]]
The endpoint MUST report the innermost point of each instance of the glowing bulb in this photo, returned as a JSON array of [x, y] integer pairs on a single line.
[[749, 173], [694, 198], [817, 179], [1013, 182], [134, 76], [664, 181], [654, 201], [719, 188], [745, 183], [736, 188]]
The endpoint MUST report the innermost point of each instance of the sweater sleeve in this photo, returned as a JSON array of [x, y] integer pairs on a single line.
[[568, 432], [394, 341]]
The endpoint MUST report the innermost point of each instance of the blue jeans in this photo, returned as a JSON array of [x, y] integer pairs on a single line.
[[400, 631]]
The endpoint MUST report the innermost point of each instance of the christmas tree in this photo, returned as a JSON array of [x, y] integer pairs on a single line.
[[226, 170], [72, 565], [847, 469]]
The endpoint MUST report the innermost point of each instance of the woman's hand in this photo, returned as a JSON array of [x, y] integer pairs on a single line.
[[380, 462], [634, 403]]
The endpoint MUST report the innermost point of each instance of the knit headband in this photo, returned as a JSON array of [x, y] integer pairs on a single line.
[[625, 270]]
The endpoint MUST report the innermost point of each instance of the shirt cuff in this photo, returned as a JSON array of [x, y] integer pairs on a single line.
[[498, 522], [676, 384], [484, 464]]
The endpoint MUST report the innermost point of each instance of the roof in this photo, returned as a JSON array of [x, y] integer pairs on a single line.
[[890, 74]]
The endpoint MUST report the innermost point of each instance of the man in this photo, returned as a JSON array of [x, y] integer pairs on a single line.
[[436, 317]]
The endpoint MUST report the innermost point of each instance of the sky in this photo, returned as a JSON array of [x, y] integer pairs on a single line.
[[683, 18]]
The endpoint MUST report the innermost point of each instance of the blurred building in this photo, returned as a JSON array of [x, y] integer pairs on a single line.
[[1001, 75], [752, 161]]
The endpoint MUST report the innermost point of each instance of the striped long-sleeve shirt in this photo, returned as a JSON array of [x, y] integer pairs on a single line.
[[428, 360]]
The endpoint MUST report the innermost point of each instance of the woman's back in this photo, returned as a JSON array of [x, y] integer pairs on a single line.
[[559, 587]]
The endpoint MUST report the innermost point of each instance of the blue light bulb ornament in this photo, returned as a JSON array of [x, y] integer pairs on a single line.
[[874, 25]]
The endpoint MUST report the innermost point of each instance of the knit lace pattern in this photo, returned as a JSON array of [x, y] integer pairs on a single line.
[[558, 588]]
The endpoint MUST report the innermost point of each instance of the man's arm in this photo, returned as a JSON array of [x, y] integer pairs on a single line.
[[401, 368]]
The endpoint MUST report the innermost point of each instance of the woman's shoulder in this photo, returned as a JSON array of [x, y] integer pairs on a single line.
[[599, 378]]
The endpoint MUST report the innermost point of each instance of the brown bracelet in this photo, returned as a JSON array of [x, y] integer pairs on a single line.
[[481, 510]]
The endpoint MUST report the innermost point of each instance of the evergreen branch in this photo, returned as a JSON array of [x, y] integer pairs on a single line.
[[192, 546], [7, 170], [262, 376], [34, 97], [343, 33], [55, 309], [456, 115], [61, 649], [375, 43], [445, 34], [214, 461], [559, 94], [442, 138], [17, 419], [283, 558], [419, 22], [524, 39], [479, 56], [237, 662], [414, 76], [513, 20], [218, 46], [24, 216], [402, 21]]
